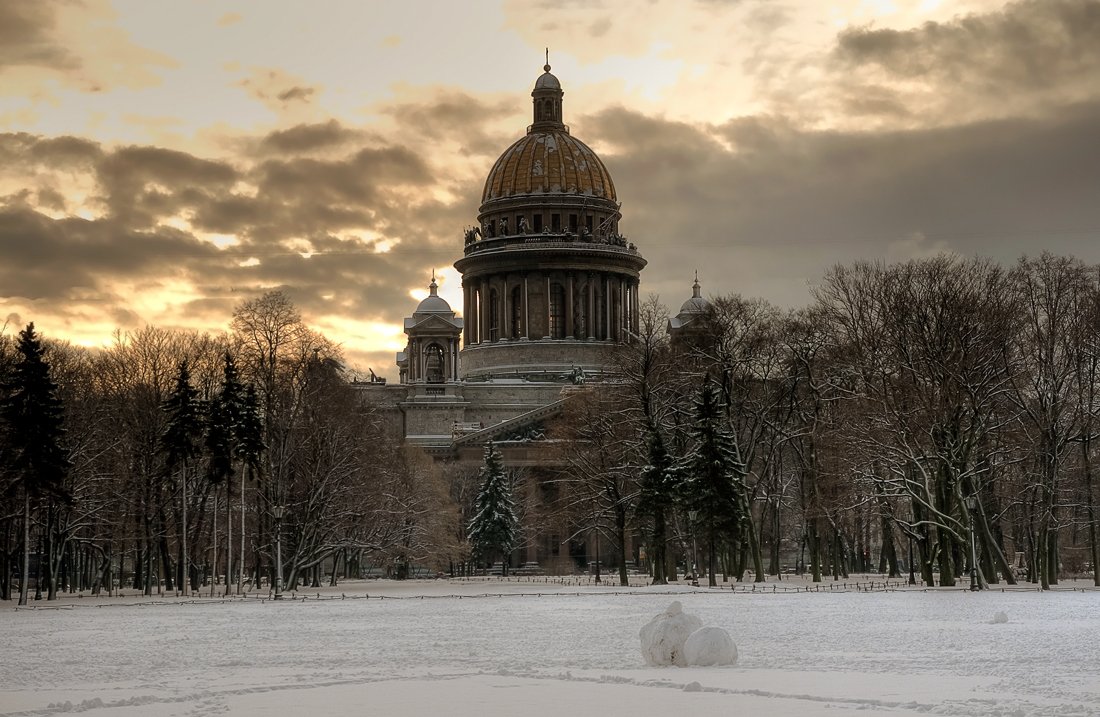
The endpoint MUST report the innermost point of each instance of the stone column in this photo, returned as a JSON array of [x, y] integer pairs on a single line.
[[506, 329], [465, 314], [569, 307], [483, 307], [590, 315], [608, 307], [526, 332], [547, 335]]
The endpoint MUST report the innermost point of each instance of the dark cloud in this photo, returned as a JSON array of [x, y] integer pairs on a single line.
[[456, 116], [1031, 45], [277, 89], [27, 36], [309, 224], [764, 207], [600, 27], [65, 152], [309, 138], [301, 94], [55, 259], [142, 185]]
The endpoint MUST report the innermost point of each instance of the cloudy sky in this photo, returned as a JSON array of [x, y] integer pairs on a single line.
[[160, 162]]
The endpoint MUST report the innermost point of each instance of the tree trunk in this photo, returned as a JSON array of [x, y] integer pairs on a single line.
[[620, 528], [185, 562], [214, 560], [25, 578], [240, 564], [53, 560], [228, 537], [754, 550], [712, 558], [1090, 509], [6, 564], [813, 538], [658, 556]]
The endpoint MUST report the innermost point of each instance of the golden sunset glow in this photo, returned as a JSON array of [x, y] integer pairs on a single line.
[[162, 162]]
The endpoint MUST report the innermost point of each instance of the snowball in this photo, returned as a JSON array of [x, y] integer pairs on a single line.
[[693, 687], [710, 646], [663, 637], [1000, 617]]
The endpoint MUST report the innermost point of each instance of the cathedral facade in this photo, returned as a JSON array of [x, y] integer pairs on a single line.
[[549, 285]]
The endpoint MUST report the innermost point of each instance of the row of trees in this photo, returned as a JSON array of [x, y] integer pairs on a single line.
[[909, 407], [170, 460]]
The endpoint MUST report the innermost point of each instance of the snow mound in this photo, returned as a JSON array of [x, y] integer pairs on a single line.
[[999, 618], [664, 636], [710, 646], [693, 687]]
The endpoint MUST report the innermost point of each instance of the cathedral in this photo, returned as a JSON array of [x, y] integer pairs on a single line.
[[549, 285]]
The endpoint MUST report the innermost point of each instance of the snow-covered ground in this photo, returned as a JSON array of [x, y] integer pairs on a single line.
[[537, 649]]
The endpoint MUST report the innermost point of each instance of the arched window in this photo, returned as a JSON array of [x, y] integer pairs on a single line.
[[494, 315], [557, 311], [517, 312], [433, 364]]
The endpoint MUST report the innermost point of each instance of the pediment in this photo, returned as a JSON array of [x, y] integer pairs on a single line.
[[431, 324]]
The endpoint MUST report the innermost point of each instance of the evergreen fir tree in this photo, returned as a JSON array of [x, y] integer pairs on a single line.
[[657, 493], [182, 439], [33, 432], [223, 421], [223, 432], [182, 444], [250, 433], [493, 529], [713, 475]]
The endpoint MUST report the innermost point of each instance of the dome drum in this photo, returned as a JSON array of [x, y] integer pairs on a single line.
[[501, 255], [582, 217]]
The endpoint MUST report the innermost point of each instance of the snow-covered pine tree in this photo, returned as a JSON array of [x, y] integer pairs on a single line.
[[33, 431], [494, 527], [713, 475]]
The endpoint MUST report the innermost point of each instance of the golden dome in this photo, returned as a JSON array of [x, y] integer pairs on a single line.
[[548, 162]]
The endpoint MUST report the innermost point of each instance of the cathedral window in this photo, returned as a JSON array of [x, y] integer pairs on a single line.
[[557, 311], [517, 312], [555, 223], [538, 223], [433, 364], [580, 314]]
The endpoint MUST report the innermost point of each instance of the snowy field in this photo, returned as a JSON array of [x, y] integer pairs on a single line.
[[441, 648]]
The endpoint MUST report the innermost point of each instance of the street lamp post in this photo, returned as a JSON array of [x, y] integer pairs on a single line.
[[278, 511], [692, 515], [971, 507]]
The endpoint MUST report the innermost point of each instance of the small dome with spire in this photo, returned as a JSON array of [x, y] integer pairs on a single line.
[[690, 312], [696, 304], [433, 303]]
